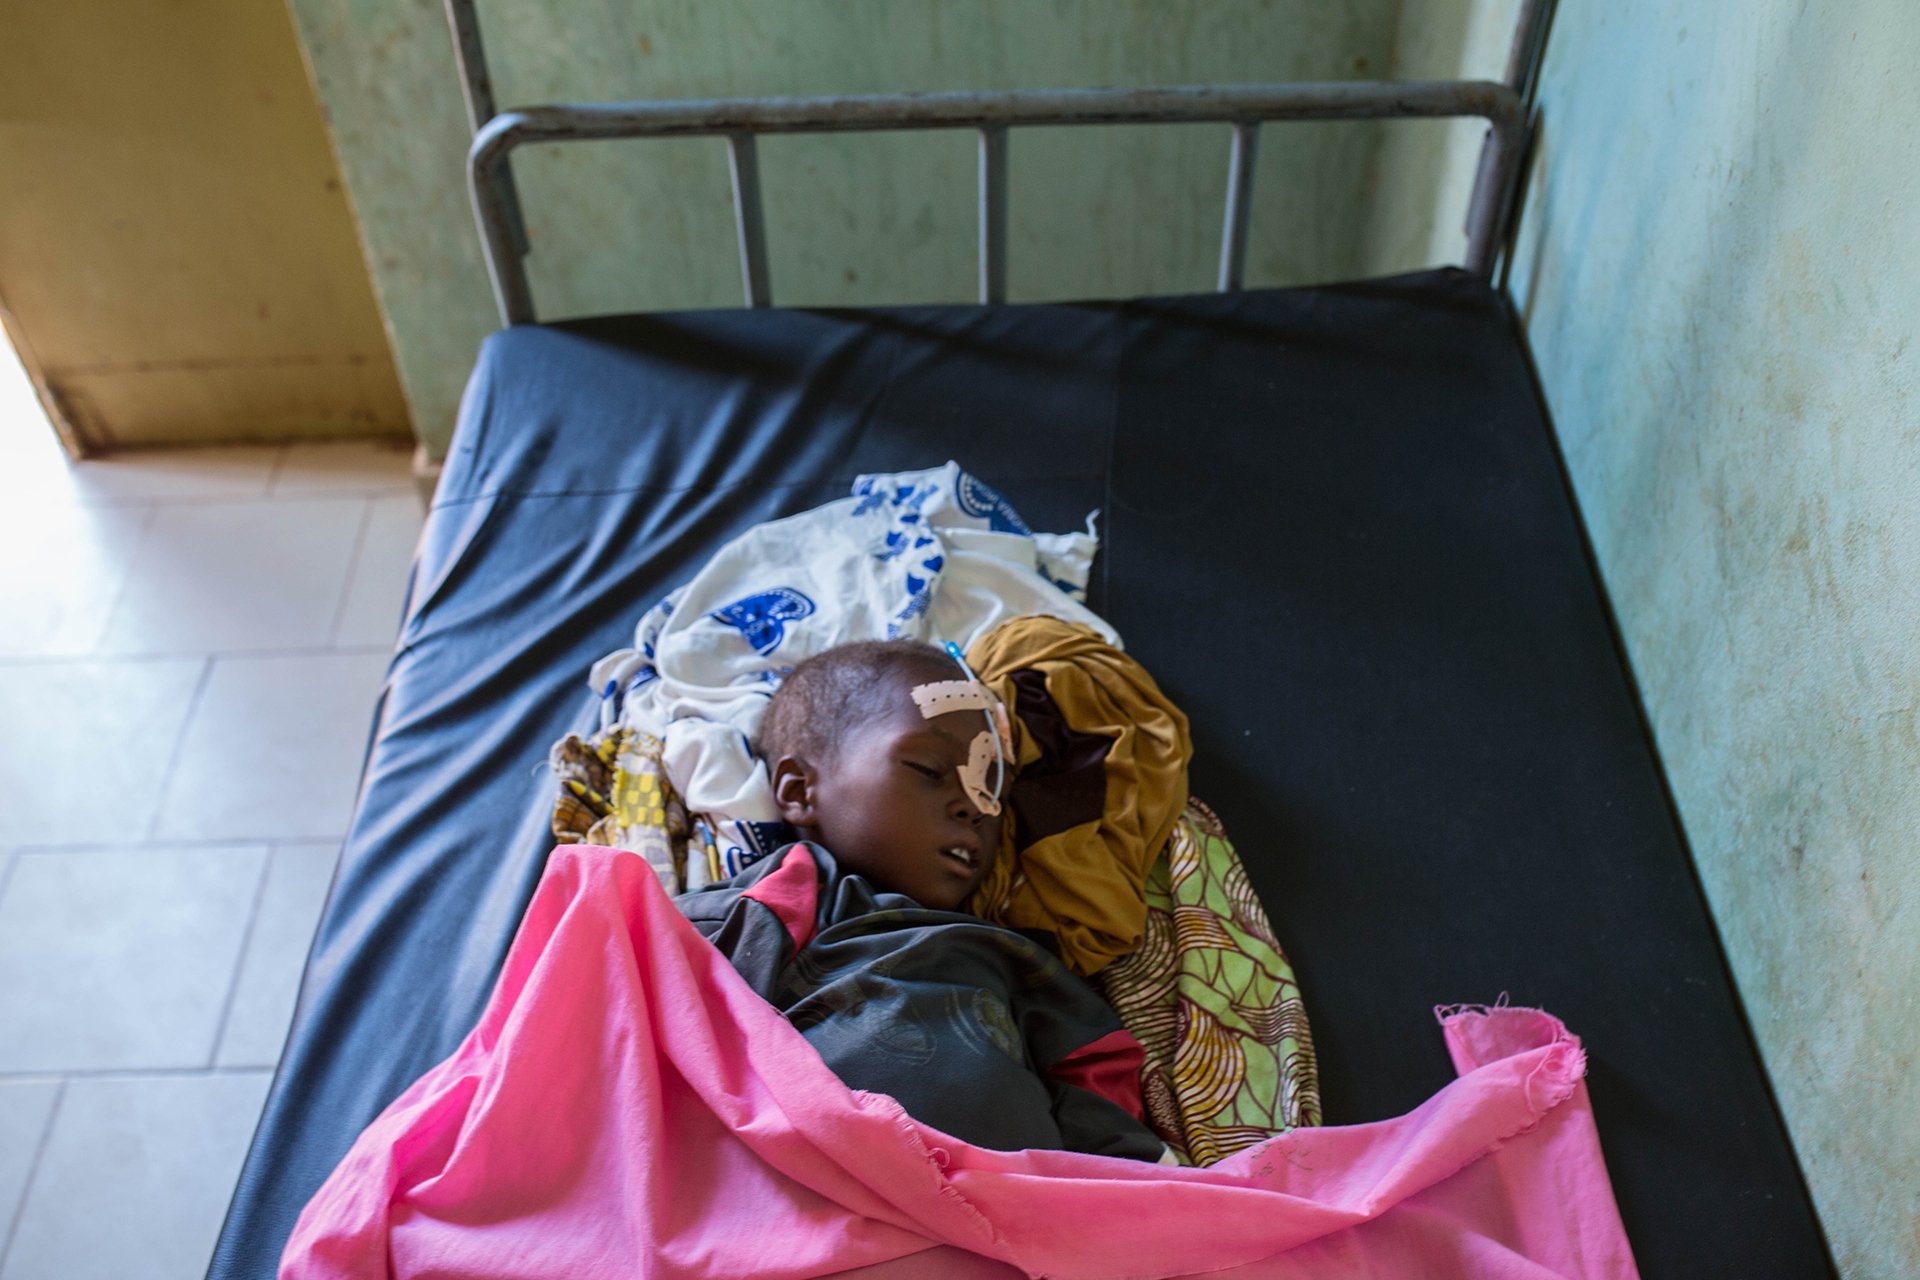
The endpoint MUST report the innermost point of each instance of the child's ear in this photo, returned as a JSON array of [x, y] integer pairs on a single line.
[[793, 791]]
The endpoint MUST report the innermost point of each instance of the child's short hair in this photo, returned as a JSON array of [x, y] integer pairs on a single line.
[[826, 695]]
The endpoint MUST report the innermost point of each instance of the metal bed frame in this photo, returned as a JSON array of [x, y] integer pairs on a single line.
[[1504, 104]]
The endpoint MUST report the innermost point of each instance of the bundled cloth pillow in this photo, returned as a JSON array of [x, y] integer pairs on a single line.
[[1100, 779]]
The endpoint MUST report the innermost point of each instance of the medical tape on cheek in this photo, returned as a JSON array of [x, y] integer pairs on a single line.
[[973, 774], [944, 696]]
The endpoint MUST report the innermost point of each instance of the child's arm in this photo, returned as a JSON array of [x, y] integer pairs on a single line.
[[1096, 1125], [1097, 1103]]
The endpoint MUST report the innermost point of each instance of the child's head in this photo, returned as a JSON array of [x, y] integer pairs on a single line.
[[858, 767]]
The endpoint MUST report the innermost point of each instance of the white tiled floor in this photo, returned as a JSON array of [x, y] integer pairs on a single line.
[[190, 648]]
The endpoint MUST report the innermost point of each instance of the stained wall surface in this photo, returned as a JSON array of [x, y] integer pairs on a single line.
[[857, 219], [177, 256], [1719, 269], [1423, 170]]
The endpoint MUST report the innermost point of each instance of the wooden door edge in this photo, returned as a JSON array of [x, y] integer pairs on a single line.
[[76, 445]]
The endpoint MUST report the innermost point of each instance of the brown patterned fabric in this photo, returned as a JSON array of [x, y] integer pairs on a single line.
[[612, 790]]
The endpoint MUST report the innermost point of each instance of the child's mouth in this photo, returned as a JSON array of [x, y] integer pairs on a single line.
[[962, 856]]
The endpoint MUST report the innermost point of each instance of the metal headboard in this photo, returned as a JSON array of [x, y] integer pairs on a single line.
[[1503, 104]]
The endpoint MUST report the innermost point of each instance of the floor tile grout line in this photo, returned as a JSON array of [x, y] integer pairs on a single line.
[[116, 1075], [269, 842], [279, 462], [298, 651], [295, 498], [127, 566], [240, 959], [126, 502], [33, 1173], [91, 659], [353, 571], [179, 745]]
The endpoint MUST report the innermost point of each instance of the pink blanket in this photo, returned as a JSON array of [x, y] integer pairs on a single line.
[[628, 1107]]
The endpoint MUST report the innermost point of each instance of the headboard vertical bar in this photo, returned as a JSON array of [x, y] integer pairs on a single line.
[[506, 266], [476, 90], [476, 86], [1487, 216], [993, 214], [1490, 211], [1233, 234], [1529, 43], [743, 159]]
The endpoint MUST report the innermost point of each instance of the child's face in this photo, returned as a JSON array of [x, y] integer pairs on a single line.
[[889, 804]]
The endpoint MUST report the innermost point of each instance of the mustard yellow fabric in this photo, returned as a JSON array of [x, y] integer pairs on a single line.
[[1087, 885]]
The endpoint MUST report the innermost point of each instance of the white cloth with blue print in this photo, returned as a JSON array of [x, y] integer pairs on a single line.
[[925, 555]]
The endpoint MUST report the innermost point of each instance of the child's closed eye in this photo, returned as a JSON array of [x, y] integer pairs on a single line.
[[924, 770]]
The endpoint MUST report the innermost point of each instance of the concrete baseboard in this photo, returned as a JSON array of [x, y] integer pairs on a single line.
[[426, 474]]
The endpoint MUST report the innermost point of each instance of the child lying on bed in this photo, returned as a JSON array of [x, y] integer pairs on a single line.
[[889, 760]]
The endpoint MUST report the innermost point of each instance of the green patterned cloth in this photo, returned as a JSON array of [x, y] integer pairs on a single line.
[[1212, 999]]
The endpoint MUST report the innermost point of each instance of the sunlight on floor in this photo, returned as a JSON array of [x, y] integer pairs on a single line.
[[29, 450], [157, 607]]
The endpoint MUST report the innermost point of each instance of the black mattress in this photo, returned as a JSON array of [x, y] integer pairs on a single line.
[[1337, 531]]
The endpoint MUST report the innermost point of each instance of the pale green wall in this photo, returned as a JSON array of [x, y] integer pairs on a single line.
[[1423, 170], [1719, 266], [852, 219], [385, 75]]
